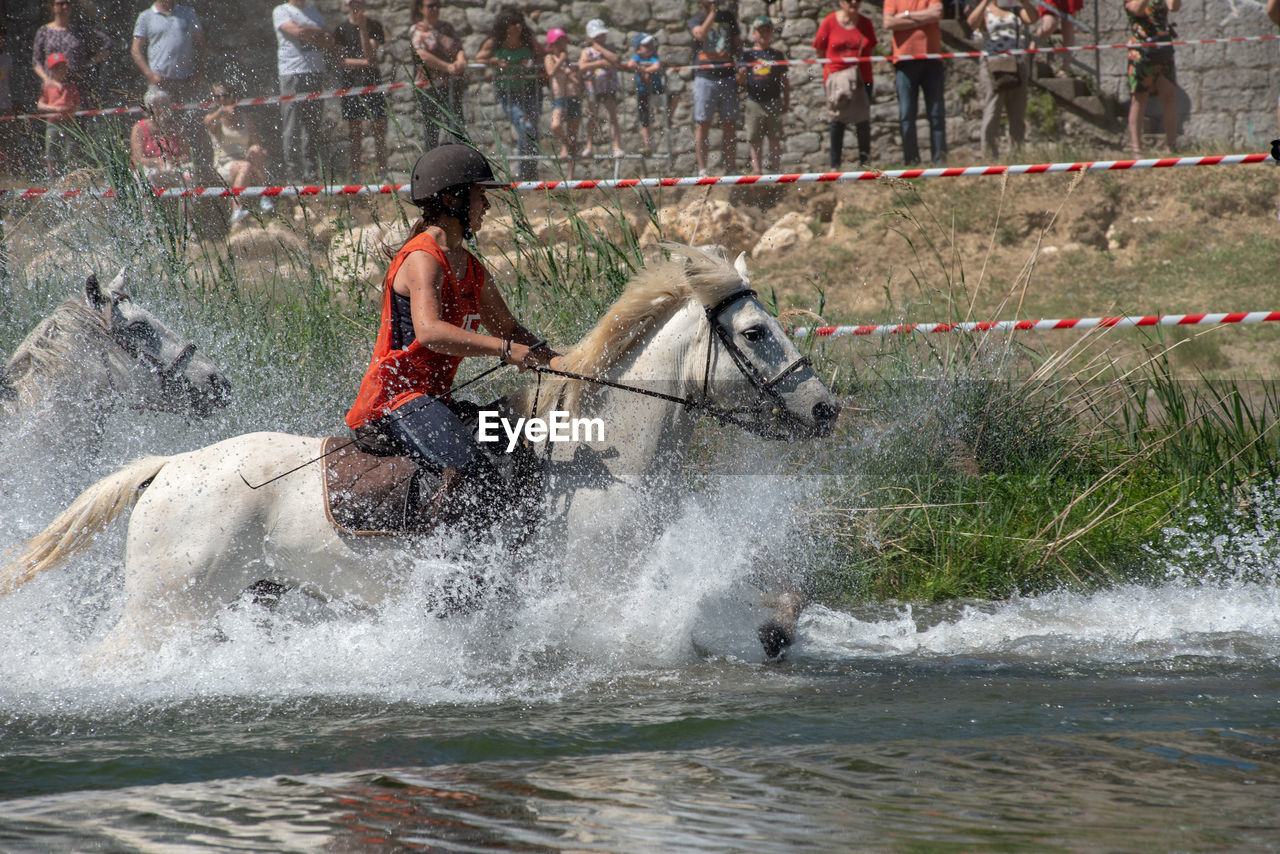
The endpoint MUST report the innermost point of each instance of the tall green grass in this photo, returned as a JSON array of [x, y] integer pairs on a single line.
[[965, 466]]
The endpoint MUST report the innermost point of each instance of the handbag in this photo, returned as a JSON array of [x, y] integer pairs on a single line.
[[1004, 73]]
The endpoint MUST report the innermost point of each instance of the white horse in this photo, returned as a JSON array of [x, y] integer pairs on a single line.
[[98, 352], [688, 330]]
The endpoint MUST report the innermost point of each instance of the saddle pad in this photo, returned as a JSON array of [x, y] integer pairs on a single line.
[[366, 494]]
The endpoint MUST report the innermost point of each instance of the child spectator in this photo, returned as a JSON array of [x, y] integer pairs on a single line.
[[60, 98], [842, 36], [649, 82], [599, 64], [358, 39], [768, 91], [566, 96]]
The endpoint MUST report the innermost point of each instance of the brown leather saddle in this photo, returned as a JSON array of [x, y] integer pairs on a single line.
[[367, 494]]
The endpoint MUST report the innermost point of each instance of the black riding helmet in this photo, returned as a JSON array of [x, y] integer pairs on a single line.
[[448, 166]]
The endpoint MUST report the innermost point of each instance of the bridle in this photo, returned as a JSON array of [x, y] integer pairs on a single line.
[[170, 372], [766, 389]]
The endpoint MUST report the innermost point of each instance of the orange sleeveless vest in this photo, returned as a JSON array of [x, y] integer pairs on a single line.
[[396, 376]]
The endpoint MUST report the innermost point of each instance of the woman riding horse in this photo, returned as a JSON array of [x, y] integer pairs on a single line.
[[435, 295]]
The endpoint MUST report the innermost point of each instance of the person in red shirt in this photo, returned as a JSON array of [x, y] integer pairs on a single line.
[[842, 35], [436, 296], [914, 28], [60, 99]]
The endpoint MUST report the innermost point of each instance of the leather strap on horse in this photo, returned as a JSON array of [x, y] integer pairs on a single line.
[[764, 388]]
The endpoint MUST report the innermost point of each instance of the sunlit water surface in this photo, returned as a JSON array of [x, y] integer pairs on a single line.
[[634, 714]]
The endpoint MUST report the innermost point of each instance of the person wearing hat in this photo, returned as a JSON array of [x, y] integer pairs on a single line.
[[436, 297], [768, 91], [59, 98], [566, 97], [599, 65], [649, 82]]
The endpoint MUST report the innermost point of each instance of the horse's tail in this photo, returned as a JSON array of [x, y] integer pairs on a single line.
[[73, 530]]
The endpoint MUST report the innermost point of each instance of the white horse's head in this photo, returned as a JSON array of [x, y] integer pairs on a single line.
[[751, 369], [169, 373], [710, 343]]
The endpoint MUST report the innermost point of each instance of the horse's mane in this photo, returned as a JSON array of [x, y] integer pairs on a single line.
[[53, 351], [652, 296]]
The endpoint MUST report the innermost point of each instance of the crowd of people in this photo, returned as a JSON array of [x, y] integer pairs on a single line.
[[739, 79]]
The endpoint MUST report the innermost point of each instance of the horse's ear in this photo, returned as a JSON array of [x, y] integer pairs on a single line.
[[741, 266], [118, 285], [93, 293]]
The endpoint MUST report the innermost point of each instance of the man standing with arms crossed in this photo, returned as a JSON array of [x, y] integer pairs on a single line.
[[302, 46], [914, 29], [168, 48]]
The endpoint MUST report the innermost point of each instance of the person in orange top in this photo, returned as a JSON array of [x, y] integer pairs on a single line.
[[435, 297], [60, 98], [914, 29]]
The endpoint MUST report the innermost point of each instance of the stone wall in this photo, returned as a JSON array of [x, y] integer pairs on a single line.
[[1228, 92]]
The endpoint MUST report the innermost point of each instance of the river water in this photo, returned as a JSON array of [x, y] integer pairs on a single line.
[[634, 715], [1135, 719]]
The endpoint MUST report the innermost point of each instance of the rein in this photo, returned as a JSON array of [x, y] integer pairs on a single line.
[[765, 388]]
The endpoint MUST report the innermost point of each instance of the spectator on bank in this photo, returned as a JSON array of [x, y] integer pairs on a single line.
[[845, 38], [359, 40], [1273, 12], [599, 63], [1055, 16], [8, 163], [518, 63], [85, 48], [716, 42], [59, 98], [238, 154], [649, 82], [1151, 69], [168, 48], [566, 97], [767, 89], [441, 64], [913, 28], [158, 143], [1003, 80], [303, 43]]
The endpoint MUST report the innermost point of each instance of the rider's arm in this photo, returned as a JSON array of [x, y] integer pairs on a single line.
[[497, 318]]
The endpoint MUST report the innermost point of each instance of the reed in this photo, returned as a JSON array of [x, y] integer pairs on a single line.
[[966, 466]]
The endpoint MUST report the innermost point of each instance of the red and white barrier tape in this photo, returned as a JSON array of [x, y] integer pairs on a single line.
[[390, 87], [1034, 325], [654, 183], [978, 54], [869, 175]]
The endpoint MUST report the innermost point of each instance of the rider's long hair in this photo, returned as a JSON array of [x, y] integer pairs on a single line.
[[433, 210]]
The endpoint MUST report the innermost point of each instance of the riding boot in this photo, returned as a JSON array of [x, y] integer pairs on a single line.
[[465, 501]]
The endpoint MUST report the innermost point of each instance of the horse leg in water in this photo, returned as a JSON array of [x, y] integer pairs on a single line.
[[778, 633]]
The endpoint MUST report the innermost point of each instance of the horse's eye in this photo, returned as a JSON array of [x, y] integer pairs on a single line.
[[755, 333]]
